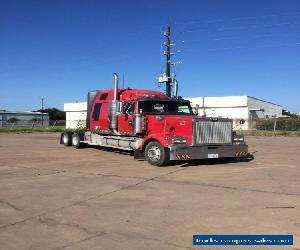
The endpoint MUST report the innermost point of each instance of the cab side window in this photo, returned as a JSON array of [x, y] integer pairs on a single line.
[[96, 111], [128, 108], [103, 96]]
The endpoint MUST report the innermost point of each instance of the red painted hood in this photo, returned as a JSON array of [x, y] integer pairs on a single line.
[[168, 126]]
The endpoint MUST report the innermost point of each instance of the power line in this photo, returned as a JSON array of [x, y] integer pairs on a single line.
[[220, 29], [250, 47], [238, 18], [240, 37]]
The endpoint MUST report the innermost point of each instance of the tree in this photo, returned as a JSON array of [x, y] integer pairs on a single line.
[[36, 120], [290, 114], [13, 120]]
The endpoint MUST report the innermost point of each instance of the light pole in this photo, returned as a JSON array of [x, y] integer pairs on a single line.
[[42, 112]]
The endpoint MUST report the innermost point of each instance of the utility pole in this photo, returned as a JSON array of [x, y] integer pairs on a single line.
[[168, 54], [42, 112], [275, 123]]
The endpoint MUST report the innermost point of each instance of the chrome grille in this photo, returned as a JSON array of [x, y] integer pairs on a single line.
[[212, 131]]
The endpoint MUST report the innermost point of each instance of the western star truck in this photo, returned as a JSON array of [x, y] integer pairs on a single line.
[[155, 126]]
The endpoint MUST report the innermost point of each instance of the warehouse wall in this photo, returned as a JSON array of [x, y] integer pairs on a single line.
[[267, 108], [235, 113], [233, 107], [220, 101], [259, 109], [75, 119], [75, 114], [247, 108]]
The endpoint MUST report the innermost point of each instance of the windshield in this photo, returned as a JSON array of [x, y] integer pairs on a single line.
[[165, 107]]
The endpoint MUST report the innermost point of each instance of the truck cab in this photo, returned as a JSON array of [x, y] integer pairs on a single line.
[[157, 127]]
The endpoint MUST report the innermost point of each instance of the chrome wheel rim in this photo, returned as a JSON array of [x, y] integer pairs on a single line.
[[154, 153], [75, 140], [65, 139]]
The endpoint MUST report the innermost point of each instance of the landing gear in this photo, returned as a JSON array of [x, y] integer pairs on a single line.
[[156, 154]]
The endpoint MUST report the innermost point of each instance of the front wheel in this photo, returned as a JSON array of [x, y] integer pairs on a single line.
[[156, 154]]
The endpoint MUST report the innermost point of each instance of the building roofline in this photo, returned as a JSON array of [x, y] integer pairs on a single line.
[[248, 96], [263, 100], [217, 96], [22, 112]]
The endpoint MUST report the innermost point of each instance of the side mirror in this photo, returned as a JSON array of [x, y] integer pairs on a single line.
[[195, 111]]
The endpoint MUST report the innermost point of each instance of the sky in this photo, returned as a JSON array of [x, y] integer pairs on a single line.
[[59, 50]]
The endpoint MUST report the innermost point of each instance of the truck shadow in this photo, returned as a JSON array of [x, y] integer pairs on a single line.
[[114, 150], [220, 161], [190, 163]]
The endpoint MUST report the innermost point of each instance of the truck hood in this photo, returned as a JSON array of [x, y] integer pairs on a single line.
[[169, 126]]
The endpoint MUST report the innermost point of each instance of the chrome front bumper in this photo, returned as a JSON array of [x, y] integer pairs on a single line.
[[181, 152]]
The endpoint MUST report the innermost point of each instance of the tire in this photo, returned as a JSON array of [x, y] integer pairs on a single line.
[[66, 139], [76, 141], [156, 154]]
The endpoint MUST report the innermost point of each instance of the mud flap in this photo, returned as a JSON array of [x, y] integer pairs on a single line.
[[138, 154], [61, 136]]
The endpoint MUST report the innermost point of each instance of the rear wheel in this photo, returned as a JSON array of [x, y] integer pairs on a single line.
[[156, 154], [66, 139], [76, 141]]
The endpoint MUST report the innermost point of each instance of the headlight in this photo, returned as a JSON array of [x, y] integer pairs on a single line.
[[179, 140], [238, 138]]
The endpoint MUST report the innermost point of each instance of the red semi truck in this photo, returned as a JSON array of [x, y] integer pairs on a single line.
[[156, 127]]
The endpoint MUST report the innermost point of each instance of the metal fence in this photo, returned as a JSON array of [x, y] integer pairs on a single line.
[[29, 123], [57, 123], [282, 124], [270, 124]]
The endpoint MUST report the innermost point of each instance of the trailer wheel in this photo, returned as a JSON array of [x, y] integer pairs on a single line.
[[156, 154], [66, 139], [76, 140]]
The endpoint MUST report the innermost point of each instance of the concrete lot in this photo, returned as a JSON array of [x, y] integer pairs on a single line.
[[56, 197]]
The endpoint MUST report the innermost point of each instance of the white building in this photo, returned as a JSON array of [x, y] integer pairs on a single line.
[[75, 114], [238, 108]]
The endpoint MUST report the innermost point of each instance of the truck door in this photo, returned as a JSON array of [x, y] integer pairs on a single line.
[[103, 119], [99, 113], [95, 116], [125, 118]]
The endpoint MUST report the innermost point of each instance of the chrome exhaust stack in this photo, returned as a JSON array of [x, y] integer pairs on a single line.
[[114, 107], [116, 86], [175, 88]]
